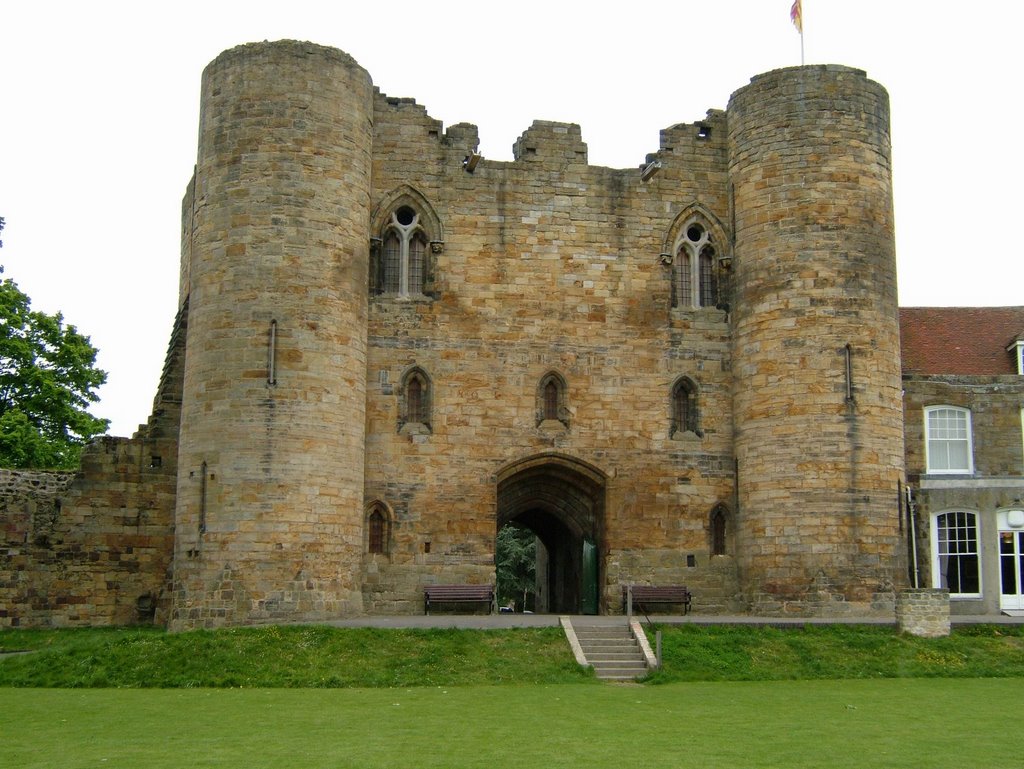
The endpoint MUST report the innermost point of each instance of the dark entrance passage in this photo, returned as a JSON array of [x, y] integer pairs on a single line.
[[561, 500]]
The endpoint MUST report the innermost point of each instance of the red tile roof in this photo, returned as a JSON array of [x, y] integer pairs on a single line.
[[960, 340]]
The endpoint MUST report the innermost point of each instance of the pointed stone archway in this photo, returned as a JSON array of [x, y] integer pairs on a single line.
[[561, 499]]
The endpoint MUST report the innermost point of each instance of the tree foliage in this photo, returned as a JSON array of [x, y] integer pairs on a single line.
[[516, 564], [47, 382]]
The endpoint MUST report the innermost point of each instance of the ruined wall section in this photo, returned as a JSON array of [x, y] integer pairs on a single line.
[[548, 264], [95, 547]]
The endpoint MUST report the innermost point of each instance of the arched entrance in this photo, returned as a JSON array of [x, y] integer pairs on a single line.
[[561, 500]]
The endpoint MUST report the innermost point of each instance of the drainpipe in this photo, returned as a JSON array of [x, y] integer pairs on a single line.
[[912, 530]]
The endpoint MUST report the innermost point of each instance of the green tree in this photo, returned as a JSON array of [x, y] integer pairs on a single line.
[[47, 381], [515, 562]]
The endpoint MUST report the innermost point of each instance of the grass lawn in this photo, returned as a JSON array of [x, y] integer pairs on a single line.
[[916, 723], [291, 656]]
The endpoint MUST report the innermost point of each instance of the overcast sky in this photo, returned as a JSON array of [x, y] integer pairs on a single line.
[[99, 116]]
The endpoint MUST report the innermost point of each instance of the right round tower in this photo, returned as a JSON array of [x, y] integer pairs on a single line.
[[816, 357]]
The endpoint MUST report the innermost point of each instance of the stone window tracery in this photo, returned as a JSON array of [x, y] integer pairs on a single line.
[[404, 253], [695, 282]]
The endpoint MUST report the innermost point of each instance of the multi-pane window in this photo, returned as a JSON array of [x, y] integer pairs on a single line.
[[551, 400], [392, 263], [694, 278], [955, 561], [948, 440], [684, 280], [377, 529], [416, 401], [708, 284], [404, 254], [684, 407]]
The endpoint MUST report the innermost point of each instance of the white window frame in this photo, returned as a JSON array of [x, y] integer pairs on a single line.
[[931, 458], [937, 571], [1018, 353]]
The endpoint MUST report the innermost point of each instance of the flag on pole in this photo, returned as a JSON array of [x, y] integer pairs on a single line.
[[796, 14]]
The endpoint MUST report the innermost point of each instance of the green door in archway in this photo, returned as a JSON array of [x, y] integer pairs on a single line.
[[588, 590]]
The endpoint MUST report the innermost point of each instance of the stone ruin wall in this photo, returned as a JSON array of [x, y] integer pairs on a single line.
[[88, 548], [94, 547]]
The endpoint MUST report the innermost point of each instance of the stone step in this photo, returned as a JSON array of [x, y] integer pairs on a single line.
[[612, 651], [605, 654]]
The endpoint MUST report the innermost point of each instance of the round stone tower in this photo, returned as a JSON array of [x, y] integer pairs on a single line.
[[269, 499], [816, 363]]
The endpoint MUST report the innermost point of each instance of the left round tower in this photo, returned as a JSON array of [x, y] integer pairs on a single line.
[[268, 524]]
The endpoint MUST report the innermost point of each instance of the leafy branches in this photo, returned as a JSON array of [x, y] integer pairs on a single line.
[[516, 563], [47, 382]]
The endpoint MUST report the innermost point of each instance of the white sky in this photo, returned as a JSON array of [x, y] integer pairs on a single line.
[[99, 116]]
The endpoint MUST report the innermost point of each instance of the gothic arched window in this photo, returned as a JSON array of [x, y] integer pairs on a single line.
[[415, 401], [378, 534], [404, 247], [684, 408], [551, 396], [718, 521], [694, 268]]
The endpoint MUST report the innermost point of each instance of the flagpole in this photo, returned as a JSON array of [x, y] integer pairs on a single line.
[[796, 15]]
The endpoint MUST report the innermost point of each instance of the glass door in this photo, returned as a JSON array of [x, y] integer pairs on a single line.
[[1011, 570]]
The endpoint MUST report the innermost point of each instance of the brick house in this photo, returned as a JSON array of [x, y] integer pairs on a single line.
[[963, 382]]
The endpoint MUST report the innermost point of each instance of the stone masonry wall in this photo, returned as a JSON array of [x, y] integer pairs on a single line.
[[269, 516], [816, 360], [92, 548], [548, 264], [923, 612]]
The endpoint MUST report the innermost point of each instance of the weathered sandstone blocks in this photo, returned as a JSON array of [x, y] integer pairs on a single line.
[[815, 337], [272, 433]]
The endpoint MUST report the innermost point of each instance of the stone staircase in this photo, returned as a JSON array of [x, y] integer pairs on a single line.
[[611, 650]]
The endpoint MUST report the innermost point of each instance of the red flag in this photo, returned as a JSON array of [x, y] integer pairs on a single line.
[[796, 15]]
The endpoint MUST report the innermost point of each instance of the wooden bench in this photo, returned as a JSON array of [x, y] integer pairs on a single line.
[[457, 594], [651, 594]]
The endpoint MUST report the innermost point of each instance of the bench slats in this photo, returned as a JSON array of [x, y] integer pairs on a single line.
[[648, 594], [457, 594]]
